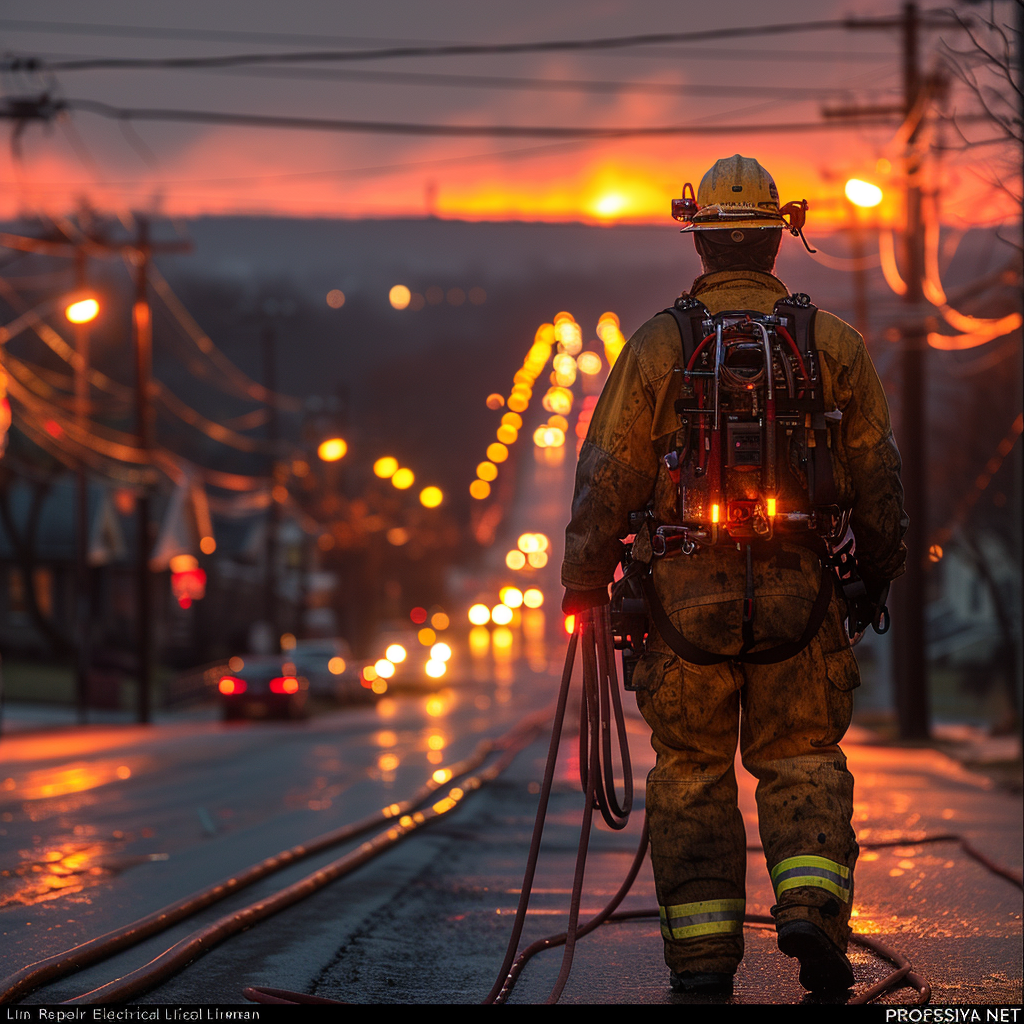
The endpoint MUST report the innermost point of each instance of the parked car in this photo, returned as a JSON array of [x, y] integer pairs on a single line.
[[263, 687]]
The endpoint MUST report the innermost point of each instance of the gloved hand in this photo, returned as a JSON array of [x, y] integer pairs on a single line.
[[576, 601], [868, 608]]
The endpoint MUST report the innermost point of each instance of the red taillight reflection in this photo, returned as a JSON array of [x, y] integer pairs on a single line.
[[284, 684], [231, 684]]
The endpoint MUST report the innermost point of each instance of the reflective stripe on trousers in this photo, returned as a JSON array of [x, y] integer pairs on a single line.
[[814, 871], [707, 917]]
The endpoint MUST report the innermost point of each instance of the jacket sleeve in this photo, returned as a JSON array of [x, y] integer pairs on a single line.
[[878, 519], [615, 475]]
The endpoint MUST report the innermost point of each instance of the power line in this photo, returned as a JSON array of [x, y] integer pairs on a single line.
[[449, 130], [461, 49], [543, 84], [80, 28]]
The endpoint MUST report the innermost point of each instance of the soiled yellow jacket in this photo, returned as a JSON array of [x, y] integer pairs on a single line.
[[635, 424]]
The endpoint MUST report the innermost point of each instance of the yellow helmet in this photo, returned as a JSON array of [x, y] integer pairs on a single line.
[[736, 191]]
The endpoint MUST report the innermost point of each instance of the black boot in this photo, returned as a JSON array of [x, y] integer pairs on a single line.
[[701, 981], [824, 967]]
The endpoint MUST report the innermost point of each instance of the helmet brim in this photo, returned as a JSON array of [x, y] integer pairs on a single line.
[[736, 223]]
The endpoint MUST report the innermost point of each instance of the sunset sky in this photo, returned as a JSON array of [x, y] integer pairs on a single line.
[[192, 169]]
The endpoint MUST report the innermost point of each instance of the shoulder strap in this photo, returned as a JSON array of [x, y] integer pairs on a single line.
[[823, 492], [685, 310], [799, 307]]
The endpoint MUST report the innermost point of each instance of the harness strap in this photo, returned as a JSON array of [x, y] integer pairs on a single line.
[[685, 310], [690, 652]]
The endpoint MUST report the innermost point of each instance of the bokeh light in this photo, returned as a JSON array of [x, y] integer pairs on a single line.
[[515, 559], [480, 489], [533, 598], [335, 298], [399, 296], [431, 497], [333, 449], [403, 478], [83, 311], [385, 467], [479, 615]]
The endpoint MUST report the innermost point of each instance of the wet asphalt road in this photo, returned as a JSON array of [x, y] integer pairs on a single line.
[[103, 825]]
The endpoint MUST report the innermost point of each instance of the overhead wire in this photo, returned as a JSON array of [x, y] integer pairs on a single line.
[[215, 431], [468, 49], [112, 446], [245, 385], [541, 84], [349, 125]]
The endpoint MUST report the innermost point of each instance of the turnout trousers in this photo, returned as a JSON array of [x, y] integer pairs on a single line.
[[788, 719]]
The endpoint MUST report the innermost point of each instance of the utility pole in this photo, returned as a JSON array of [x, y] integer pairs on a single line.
[[911, 666], [912, 703], [83, 603], [142, 338], [270, 611], [140, 251]]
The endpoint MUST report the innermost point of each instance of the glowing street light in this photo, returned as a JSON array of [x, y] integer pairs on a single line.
[[403, 478], [863, 193], [333, 449], [431, 497], [82, 310], [399, 296]]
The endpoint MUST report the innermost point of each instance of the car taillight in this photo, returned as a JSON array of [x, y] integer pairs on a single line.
[[284, 684], [231, 684]]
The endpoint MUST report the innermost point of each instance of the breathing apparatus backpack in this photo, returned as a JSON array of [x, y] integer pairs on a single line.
[[752, 464]]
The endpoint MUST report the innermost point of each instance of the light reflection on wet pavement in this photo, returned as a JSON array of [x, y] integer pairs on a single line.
[[84, 838]]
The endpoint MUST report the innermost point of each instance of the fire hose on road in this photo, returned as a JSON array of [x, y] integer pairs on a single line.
[[600, 715], [600, 712]]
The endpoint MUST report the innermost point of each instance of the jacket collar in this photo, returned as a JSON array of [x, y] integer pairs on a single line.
[[707, 282]]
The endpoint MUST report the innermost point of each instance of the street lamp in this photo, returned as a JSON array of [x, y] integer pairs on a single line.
[[82, 310], [333, 449]]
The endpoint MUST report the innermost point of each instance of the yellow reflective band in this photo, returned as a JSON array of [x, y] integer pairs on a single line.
[[813, 880], [819, 872], [810, 862], [706, 917]]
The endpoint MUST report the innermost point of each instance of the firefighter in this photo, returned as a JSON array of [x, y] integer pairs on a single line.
[[788, 717]]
